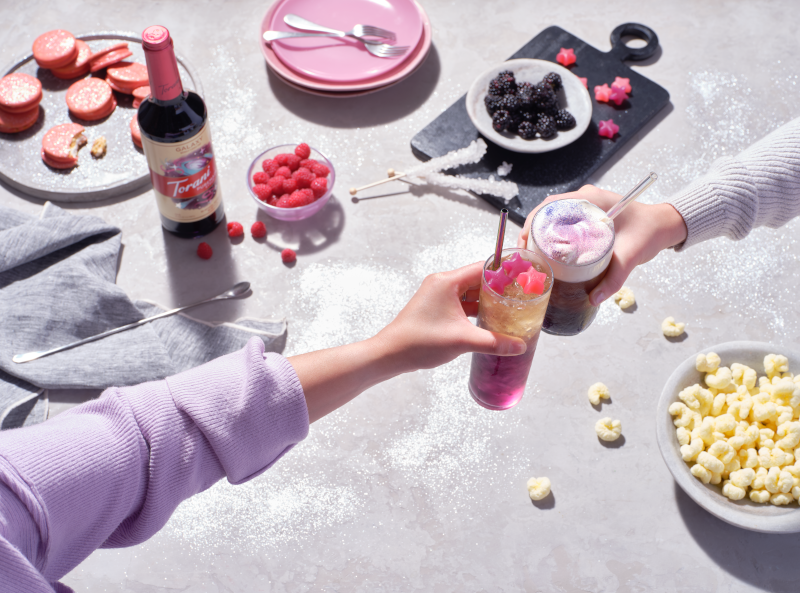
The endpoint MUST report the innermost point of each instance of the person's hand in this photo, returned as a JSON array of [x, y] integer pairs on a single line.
[[433, 328], [642, 230]]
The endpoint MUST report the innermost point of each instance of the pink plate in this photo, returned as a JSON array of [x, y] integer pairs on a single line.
[[341, 90], [344, 60]]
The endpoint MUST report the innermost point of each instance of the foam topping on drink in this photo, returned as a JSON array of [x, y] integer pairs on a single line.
[[574, 232]]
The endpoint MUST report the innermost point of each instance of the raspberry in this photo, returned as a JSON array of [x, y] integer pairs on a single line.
[[283, 171], [273, 201], [307, 163], [319, 186], [204, 251], [308, 195], [275, 184], [270, 166], [262, 191], [303, 177], [293, 162], [281, 159], [303, 150], [260, 177], [235, 229], [258, 230], [320, 170], [297, 199], [288, 256], [289, 185]]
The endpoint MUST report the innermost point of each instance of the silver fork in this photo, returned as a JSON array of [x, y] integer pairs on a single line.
[[360, 32], [381, 50]]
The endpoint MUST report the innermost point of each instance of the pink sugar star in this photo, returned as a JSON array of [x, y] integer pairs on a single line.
[[498, 280], [566, 57], [608, 128], [601, 93], [623, 83], [585, 81], [515, 265], [618, 95], [532, 281]]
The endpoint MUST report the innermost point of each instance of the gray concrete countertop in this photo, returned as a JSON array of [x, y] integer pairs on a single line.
[[413, 486]]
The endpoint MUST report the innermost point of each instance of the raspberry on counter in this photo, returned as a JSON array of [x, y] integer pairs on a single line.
[[235, 229], [288, 256], [258, 230], [204, 251]]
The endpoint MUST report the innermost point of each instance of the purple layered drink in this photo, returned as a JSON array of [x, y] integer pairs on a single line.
[[498, 382], [577, 240]]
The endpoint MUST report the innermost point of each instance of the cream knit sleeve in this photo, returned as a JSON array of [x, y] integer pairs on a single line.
[[759, 187]]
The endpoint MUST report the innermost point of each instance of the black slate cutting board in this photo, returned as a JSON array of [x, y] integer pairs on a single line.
[[565, 169]]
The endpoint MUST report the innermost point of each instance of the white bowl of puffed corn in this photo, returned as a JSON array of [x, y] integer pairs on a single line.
[[728, 427]]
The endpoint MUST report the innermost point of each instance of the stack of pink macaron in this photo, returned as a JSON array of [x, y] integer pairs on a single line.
[[20, 95]]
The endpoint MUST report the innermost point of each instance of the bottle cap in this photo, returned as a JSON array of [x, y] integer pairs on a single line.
[[156, 37]]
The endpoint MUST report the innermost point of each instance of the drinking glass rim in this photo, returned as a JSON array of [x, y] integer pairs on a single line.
[[518, 249], [591, 263]]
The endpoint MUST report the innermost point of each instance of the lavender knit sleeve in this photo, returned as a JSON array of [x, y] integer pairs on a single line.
[[759, 187], [110, 472]]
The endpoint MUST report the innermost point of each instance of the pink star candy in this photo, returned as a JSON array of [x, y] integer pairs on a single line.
[[515, 265], [623, 83], [608, 128], [498, 280], [602, 93], [532, 281], [566, 57], [585, 81], [618, 95]]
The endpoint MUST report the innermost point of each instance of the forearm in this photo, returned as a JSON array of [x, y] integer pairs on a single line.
[[332, 377], [759, 187]]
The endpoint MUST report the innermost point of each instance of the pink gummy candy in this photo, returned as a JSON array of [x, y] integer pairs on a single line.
[[566, 57], [532, 281], [515, 265], [608, 128], [602, 93], [498, 280], [585, 81], [623, 83], [618, 95]]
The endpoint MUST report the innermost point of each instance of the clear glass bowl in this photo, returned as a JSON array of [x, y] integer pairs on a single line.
[[290, 214]]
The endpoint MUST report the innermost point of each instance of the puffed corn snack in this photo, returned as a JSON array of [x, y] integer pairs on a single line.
[[742, 431], [608, 429], [671, 329], [597, 392], [538, 488], [624, 297]]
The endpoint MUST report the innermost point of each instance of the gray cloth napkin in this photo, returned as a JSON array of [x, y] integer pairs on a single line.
[[57, 274]]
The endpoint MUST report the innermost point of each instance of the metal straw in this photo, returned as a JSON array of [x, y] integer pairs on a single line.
[[631, 196], [501, 233]]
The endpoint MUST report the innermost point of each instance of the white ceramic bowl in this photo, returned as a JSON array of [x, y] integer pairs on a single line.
[[290, 214], [743, 513], [574, 97]]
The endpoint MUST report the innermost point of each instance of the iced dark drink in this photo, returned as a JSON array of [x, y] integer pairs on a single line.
[[577, 240], [513, 304]]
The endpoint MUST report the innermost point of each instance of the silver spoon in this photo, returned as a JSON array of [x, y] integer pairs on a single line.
[[237, 291]]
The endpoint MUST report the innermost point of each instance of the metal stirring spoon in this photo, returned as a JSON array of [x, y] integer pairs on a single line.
[[237, 291]]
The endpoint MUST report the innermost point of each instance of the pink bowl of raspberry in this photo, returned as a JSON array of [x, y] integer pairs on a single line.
[[291, 181]]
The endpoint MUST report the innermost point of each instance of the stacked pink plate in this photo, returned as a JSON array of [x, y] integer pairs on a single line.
[[341, 67]]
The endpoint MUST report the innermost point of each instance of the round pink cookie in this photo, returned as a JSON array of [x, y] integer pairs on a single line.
[[89, 97], [19, 92], [79, 66], [58, 164], [11, 123], [58, 143], [136, 133], [128, 75], [139, 95], [109, 59], [54, 49]]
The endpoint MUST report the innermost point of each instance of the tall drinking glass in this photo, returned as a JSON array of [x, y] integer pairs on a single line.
[[577, 239], [498, 382]]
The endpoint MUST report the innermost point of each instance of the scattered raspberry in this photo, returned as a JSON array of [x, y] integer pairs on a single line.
[[293, 162], [303, 151], [275, 184], [235, 229], [320, 170], [319, 186], [288, 256], [204, 251], [262, 191], [303, 177], [258, 230], [282, 159], [260, 177], [283, 171], [289, 185], [270, 166], [307, 163]]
